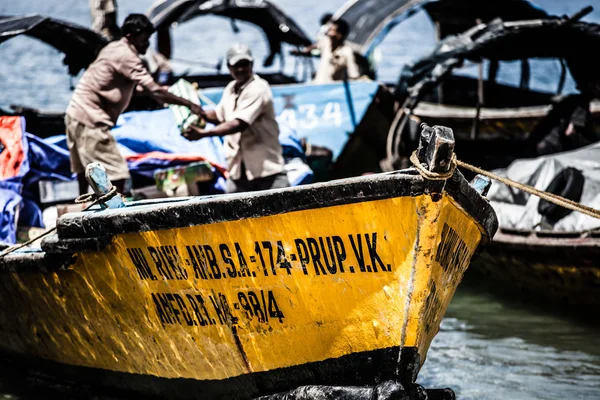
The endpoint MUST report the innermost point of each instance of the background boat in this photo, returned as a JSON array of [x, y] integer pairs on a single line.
[[495, 123], [542, 250]]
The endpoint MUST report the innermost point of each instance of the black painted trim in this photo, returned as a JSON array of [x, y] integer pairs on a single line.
[[36, 261], [474, 204], [201, 211], [54, 245], [93, 231], [358, 369]]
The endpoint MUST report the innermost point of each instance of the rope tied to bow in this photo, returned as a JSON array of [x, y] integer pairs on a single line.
[[84, 198], [430, 175], [551, 197]]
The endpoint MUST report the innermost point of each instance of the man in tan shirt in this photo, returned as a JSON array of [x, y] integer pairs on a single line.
[[337, 59], [103, 93], [246, 117]]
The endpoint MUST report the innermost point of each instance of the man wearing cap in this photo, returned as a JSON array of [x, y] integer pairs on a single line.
[[246, 117], [103, 93]]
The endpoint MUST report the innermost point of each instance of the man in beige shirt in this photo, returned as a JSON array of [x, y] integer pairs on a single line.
[[246, 117], [337, 59], [103, 93]]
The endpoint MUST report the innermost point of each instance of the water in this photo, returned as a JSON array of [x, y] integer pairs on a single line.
[[496, 346], [488, 347]]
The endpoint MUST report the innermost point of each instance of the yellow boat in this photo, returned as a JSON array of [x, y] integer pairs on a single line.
[[237, 296]]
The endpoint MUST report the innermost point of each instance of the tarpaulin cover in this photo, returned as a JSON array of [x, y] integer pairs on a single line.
[[518, 210], [9, 206], [13, 147], [46, 161], [16, 168]]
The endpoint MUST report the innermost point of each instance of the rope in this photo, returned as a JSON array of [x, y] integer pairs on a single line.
[[551, 197], [84, 198], [430, 175]]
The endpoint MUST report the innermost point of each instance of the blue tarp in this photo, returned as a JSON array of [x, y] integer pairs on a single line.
[[137, 132], [18, 194], [145, 131], [320, 113], [9, 207], [46, 161]]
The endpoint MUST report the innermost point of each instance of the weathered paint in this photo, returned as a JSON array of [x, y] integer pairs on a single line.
[[104, 312]]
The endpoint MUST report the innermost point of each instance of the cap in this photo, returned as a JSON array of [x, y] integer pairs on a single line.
[[237, 53]]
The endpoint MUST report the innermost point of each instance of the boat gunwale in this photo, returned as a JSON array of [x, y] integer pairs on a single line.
[[203, 211], [437, 110]]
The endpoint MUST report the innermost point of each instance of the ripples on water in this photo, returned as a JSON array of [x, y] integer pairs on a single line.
[[487, 348], [490, 347]]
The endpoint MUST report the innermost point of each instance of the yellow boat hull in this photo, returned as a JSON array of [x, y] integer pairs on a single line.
[[341, 283], [344, 294]]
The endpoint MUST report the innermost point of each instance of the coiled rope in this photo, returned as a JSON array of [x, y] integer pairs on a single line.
[[84, 198], [551, 197]]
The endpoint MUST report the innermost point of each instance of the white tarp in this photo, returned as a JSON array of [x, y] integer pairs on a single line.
[[518, 210]]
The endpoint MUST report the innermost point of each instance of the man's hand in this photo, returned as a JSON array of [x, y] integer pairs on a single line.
[[198, 110], [194, 133]]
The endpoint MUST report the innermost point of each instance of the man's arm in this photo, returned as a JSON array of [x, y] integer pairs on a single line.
[[211, 116], [163, 96], [133, 68], [224, 129], [352, 67], [250, 107]]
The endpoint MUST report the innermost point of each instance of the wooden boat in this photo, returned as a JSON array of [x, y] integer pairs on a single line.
[[495, 123], [544, 251], [558, 267], [236, 296]]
